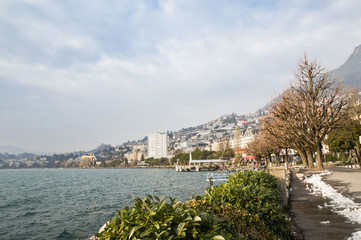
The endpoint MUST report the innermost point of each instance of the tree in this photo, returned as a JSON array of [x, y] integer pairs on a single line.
[[355, 127], [228, 153], [311, 108], [103, 164], [261, 146], [284, 125], [181, 158], [323, 104], [345, 138]]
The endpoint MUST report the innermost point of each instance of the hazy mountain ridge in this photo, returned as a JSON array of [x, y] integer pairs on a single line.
[[349, 73], [12, 150], [17, 150]]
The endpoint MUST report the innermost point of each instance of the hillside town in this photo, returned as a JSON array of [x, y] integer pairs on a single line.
[[228, 131]]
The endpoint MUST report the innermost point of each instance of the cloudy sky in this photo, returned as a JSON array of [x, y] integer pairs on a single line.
[[74, 74]]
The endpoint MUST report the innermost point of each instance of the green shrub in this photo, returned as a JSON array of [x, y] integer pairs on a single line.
[[248, 206], [256, 193], [331, 157], [154, 218], [239, 223]]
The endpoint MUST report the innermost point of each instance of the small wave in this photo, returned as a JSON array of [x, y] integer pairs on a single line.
[[89, 209], [29, 214], [65, 235], [60, 199]]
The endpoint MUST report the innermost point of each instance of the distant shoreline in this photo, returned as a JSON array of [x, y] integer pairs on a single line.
[[133, 167]]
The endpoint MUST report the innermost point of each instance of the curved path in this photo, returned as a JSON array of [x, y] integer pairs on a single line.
[[314, 220]]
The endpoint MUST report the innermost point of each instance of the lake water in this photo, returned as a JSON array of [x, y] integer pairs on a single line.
[[75, 203]]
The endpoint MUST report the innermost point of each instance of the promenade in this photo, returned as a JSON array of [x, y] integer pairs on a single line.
[[315, 215]]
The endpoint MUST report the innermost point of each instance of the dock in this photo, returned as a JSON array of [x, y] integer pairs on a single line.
[[186, 168], [197, 165]]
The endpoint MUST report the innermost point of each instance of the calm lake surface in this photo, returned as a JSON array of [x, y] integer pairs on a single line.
[[75, 203]]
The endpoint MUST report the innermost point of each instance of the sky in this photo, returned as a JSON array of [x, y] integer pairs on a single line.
[[77, 73]]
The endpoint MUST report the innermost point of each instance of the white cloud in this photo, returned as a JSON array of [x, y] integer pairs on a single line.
[[153, 66]]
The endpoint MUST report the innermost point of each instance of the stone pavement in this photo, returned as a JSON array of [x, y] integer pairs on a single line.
[[316, 222]]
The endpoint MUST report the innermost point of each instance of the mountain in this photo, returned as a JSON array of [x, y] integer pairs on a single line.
[[101, 148], [16, 150], [12, 150], [350, 71]]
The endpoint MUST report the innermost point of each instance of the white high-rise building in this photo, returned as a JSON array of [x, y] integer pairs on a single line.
[[157, 145]]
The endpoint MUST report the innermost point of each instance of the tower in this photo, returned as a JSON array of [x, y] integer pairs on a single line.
[[157, 145]]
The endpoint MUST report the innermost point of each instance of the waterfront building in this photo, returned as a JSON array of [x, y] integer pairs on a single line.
[[87, 160], [136, 154], [157, 145]]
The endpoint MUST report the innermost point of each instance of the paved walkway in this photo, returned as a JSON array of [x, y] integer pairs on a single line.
[[316, 222], [346, 181]]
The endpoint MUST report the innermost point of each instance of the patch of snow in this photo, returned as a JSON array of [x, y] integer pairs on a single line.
[[339, 203], [355, 236], [299, 176]]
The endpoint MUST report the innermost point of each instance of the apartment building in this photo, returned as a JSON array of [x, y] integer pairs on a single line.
[[157, 145]]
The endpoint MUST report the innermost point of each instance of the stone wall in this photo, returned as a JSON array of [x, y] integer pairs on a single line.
[[283, 178]]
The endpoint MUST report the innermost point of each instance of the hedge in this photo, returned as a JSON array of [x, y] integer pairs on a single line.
[[248, 206]]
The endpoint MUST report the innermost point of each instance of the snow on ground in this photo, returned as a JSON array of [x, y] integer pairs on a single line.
[[339, 203], [355, 236]]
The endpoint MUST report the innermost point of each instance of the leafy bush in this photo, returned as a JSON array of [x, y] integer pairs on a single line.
[[257, 194], [154, 218], [331, 157], [248, 206], [240, 224]]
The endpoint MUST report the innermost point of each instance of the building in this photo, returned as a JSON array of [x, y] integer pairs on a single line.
[[248, 136], [157, 145], [220, 144], [87, 160], [136, 154]]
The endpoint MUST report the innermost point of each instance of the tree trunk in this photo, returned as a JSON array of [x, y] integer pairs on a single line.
[[286, 156], [277, 155], [303, 155], [319, 162], [268, 160], [358, 155], [309, 157], [258, 160], [343, 158]]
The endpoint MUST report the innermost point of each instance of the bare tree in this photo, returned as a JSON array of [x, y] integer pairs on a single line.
[[285, 136], [286, 123], [322, 103], [307, 112], [263, 145]]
